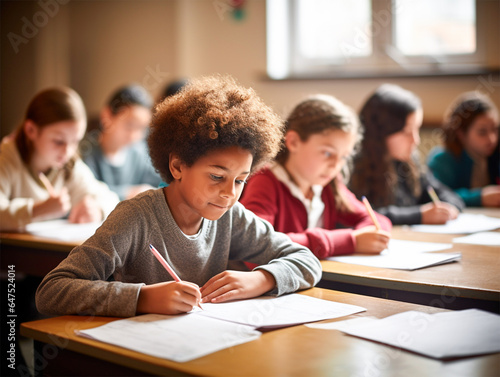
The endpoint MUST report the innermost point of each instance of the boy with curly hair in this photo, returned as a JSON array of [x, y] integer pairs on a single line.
[[204, 141]]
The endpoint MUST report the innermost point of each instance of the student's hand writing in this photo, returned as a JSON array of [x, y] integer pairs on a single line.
[[55, 206], [85, 211], [438, 213], [168, 298], [235, 285], [490, 196], [370, 240]]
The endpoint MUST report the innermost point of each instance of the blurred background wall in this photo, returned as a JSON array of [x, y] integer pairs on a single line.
[[95, 46]]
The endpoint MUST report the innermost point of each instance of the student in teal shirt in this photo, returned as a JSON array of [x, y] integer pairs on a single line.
[[116, 152], [469, 163]]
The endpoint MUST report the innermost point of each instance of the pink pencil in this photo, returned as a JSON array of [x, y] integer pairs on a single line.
[[166, 266], [371, 213], [164, 263]]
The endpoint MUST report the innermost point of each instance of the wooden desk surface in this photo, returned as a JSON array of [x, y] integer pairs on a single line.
[[475, 276], [293, 351]]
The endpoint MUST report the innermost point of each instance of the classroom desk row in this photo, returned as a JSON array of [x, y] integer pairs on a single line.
[[292, 351], [473, 282]]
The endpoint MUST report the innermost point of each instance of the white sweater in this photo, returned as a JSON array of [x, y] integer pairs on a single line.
[[20, 189]]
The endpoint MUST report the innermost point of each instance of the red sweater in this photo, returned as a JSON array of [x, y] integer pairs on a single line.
[[271, 200]]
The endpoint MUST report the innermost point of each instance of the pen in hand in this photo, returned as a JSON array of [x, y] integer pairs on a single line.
[[371, 213], [369, 209], [167, 266], [433, 195], [47, 184]]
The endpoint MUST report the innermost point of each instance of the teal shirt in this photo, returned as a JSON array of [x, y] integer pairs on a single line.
[[135, 170], [456, 173]]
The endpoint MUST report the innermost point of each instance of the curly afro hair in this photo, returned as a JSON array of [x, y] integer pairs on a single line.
[[208, 114]]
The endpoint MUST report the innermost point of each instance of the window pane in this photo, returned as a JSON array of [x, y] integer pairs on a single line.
[[334, 28], [435, 27]]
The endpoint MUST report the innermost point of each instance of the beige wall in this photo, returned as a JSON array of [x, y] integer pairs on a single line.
[[92, 46], [116, 42], [95, 46], [17, 68]]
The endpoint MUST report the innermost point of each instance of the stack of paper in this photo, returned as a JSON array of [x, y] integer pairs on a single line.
[[442, 335], [404, 255], [189, 336]]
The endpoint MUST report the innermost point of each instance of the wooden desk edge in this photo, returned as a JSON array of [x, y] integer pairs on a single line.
[[21, 240], [434, 289]]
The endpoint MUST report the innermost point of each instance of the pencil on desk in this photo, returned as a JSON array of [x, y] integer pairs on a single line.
[[47, 184], [433, 195], [371, 213], [167, 266]]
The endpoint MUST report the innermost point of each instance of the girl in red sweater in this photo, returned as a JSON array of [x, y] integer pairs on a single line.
[[302, 193]]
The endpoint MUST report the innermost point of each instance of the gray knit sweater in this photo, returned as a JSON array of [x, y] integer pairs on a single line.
[[104, 275]]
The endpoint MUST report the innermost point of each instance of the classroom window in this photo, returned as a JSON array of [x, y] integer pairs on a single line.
[[317, 32], [430, 27], [309, 38]]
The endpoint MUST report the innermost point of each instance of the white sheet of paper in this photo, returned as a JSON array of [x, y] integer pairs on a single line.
[[441, 335], [401, 246], [178, 338], [62, 230], [273, 312], [482, 238], [189, 336], [465, 223], [401, 261]]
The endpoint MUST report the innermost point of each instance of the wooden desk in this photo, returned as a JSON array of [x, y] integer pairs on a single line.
[[293, 351], [472, 282], [32, 255]]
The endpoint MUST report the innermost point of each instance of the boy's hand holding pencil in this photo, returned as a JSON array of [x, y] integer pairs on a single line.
[[173, 297]]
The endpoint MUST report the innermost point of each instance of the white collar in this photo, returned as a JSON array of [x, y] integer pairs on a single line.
[[282, 175], [314, 207]]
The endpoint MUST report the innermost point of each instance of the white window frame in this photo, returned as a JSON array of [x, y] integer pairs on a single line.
[[284, 60]]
